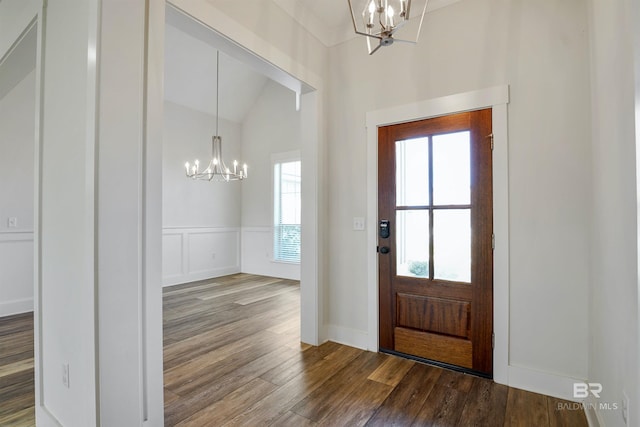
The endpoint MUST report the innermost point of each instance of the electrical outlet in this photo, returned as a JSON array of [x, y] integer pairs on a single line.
[[65, 375], [625, 407]]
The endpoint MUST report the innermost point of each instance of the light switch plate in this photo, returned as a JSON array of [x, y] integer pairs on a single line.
[[358, 223]]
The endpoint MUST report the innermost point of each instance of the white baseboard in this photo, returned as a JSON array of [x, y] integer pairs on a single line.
[[44, 418], [16, 272], [347, 336], [9, 308], [202, 275], [542, 382], [593, 418]]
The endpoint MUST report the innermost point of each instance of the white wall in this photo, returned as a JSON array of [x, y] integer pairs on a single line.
[[15, 16], [271, 126], [540, 49], [17, 141], [201, 219], [613, 344]]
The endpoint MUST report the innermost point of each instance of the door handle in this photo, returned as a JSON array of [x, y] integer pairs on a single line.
[[384, 250]]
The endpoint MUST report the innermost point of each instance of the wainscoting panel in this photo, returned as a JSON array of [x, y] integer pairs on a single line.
[[16, 272], [257, 255], [190, 254]]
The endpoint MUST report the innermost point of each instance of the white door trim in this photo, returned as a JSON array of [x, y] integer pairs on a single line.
[[497, 98]]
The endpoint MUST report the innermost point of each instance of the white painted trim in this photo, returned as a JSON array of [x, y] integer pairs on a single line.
[[495, 97], [16, 236], [347, 336], [198, 230], [543, 382], [257, 229], [311, 293], [186, 274], [203, 275], [242, 44], [501, 269], [593, 416], [18, 306], [287, 156]]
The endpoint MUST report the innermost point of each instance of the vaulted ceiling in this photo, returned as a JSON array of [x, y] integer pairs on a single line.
[[190, 77], [190, 61]]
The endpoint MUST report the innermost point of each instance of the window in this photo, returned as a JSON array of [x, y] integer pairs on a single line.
[[286, 207]]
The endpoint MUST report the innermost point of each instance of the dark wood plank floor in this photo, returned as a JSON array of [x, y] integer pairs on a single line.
[[232, 357], [16, 371]]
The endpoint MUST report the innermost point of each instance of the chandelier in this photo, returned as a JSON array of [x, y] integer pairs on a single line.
[[216, 170], [381, 19]]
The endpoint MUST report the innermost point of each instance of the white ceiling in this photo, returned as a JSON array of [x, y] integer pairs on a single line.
[[330, 20], [190, 77], [190, 59]]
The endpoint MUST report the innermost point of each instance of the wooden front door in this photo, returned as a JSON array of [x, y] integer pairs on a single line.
[[435, 240]]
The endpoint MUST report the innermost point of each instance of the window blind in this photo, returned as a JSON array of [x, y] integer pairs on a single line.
[[287, 211]]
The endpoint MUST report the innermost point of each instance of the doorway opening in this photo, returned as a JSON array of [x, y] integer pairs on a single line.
[[243, 225]]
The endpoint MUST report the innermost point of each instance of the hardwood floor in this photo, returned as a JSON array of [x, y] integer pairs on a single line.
[[16, 371], [232, 357]]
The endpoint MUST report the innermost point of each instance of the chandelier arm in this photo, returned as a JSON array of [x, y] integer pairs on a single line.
[[424, 11], [376, 49], [384, 27], [353, 17], [373, 36], [405, 41]]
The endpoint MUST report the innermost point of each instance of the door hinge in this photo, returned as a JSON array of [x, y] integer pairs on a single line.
[[493, 241], [490, 136], [493, 340]]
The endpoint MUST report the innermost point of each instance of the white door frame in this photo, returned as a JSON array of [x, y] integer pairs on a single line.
[[496, 98]]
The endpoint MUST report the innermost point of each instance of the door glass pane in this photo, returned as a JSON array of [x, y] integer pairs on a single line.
[[452, 244], [451, 169], [412, 243], [412, 172]]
